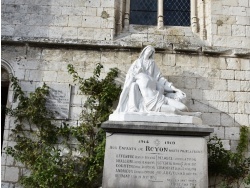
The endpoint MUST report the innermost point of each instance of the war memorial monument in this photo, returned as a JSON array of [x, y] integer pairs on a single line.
[[152, 140]]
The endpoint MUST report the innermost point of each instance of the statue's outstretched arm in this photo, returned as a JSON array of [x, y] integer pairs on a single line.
[[177, 90]]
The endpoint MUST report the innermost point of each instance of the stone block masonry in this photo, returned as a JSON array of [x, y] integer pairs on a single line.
[[230, 87], [222, 24], [212, 65], [230, 20], [155, 155], [227, 92], [57, 19], [225, 107]]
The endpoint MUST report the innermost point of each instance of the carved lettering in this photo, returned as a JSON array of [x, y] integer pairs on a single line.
[[156, 160], [156, 149]]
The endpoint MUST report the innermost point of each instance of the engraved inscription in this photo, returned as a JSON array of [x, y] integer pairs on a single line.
[[58, 100], [162, 160]]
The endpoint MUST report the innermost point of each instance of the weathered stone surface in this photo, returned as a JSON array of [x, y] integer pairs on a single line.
[[242, 119], [154, 161], [217, 85], [211, 119], [59, 100], [224, 30], [227, 120], [224, 17], [11, 174], [215, 50], [157, 128], [234, 85], [227, 74], [232, 133], [239, 30], [186, 48]]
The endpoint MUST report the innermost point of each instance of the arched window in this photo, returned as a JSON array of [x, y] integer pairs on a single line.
[[6, 72]]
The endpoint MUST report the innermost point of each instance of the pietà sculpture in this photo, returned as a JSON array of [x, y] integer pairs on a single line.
[[146, 91]]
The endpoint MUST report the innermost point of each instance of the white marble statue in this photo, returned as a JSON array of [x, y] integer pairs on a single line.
[[146, 91]]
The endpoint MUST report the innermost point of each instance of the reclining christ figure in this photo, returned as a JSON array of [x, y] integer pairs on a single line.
[[146, 90]]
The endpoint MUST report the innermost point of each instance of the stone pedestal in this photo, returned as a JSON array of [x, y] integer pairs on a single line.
[[155, 155], [155, 117]]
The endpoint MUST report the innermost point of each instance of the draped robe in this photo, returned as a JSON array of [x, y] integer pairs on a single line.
[[133, 101]]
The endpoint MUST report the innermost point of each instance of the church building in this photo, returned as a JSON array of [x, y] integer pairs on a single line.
[[201, 46]]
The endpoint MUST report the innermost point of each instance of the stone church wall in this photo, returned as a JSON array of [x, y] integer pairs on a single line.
[[216, 86], [220, 23], [41, 37], [56, 19]]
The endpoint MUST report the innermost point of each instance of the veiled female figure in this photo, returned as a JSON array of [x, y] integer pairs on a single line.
[[145, 86]]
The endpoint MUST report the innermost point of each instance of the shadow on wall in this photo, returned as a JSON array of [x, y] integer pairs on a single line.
[[205, 95], [55, 20], [33, 19]]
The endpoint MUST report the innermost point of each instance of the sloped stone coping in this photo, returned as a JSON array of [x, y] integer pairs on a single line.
[[241, 52], [120, 44], [156, 128], [186, 48]]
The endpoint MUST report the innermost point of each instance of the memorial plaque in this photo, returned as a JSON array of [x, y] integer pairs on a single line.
[[58, 100], [155, 161]]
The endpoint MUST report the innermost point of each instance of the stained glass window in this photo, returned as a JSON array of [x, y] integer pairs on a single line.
[[176, 12], [143, 12]]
